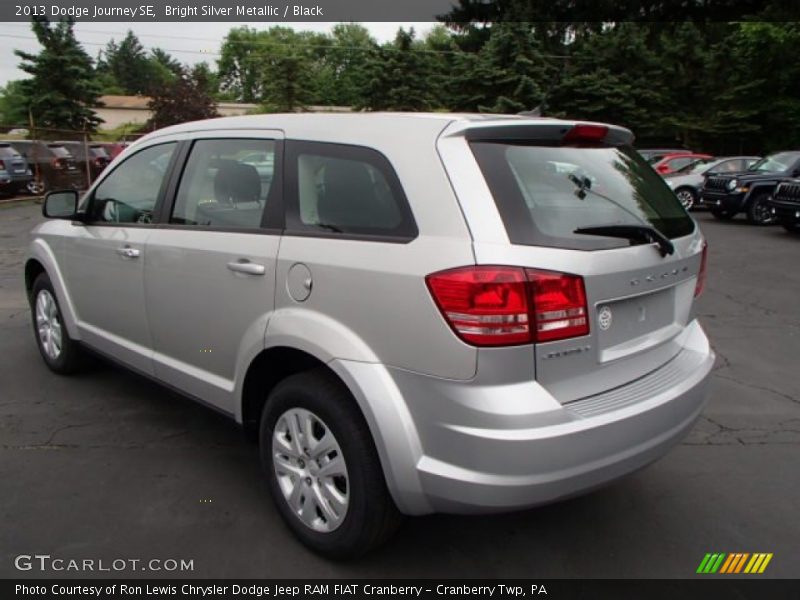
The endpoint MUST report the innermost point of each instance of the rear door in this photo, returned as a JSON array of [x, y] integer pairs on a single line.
[[639, 297], [210, 272]]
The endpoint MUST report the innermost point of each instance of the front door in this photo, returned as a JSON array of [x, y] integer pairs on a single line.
[[105, 256]]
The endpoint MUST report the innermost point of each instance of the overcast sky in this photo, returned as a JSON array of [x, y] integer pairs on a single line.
[[188, 42]]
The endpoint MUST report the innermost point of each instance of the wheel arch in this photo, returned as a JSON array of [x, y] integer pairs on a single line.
[[373, 393], [42, 260]]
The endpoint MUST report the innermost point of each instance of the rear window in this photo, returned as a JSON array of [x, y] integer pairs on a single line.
[[8, 152], [60, 151], [98, 152], [545, 193]]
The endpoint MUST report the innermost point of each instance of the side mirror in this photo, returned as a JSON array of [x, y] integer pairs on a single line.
[[61, 204], [796, 172]]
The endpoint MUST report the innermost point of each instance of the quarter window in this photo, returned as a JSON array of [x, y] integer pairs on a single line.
[[129, 194], [226, 184], [346, 190]]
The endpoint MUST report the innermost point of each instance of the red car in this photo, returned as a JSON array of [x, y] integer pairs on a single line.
[[672, 162]]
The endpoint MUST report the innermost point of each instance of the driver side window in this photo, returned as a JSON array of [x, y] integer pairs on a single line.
[[129, 194]]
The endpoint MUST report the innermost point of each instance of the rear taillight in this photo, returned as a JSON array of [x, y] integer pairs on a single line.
[[559, 305], [701, 274], [2, 164], [58, 163], [504, 306]]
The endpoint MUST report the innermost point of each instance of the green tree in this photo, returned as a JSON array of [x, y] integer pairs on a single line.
[[399, 77], [509, 74], [239, 64], [343, 65], [62, 89], [13, 109], [286, 65], [127, 63], [187, 98]]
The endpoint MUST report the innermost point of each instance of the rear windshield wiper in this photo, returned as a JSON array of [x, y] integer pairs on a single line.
[[644, 233]]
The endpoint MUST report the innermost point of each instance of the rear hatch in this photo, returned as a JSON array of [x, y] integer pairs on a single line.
[[62, 158], [12, 161], [579, 201]]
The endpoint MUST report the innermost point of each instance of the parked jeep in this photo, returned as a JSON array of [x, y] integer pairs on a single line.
[[785, 204], [748, 192]]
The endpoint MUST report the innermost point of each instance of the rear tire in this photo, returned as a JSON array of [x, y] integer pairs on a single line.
[[758, 212], [722, 215], [61, 353], [339, 516]]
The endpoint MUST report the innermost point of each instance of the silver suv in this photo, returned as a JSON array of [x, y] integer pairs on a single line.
[[412, 313]]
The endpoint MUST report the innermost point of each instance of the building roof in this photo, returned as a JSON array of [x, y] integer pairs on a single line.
[[128, 102]]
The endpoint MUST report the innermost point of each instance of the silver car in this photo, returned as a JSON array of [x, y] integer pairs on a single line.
[[412, 313]]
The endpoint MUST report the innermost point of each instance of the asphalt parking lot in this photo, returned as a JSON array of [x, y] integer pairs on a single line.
[[109, 465]]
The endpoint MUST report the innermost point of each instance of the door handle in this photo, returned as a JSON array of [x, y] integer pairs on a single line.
[[128, 252], [245, 266]]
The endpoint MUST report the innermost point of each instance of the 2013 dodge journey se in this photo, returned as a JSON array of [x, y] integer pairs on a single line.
[[412, 313]]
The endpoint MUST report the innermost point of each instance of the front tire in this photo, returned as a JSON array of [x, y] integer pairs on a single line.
[[322, 467], [61, 354], [758, 212]]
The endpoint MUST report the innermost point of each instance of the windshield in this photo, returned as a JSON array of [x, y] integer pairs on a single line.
[[777, 162], [545, 193]]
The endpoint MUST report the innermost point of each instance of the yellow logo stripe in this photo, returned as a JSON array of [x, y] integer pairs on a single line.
[[764, 564], [757, 557]]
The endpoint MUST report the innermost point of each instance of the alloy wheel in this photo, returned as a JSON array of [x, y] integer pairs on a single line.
[[687, 198], [310, 469], [48, 324]]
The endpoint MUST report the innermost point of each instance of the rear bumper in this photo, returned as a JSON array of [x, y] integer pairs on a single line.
[[482, 451]]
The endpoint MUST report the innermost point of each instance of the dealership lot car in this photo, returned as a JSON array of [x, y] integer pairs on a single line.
[[52, 165], [749, 191], [785, 204], [686, 182], [15, 175], [414, 313]]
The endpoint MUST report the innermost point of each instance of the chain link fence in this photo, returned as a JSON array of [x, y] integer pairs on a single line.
[[34, 160]]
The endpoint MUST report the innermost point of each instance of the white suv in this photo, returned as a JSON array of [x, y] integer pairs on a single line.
[[413, 313]]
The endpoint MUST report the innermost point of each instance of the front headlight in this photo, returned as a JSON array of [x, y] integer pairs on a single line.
[[732, 184]]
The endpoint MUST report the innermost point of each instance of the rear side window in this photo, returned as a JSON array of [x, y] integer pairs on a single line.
[[345, 190], [226, 184], [545, 193], [60, 151]]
